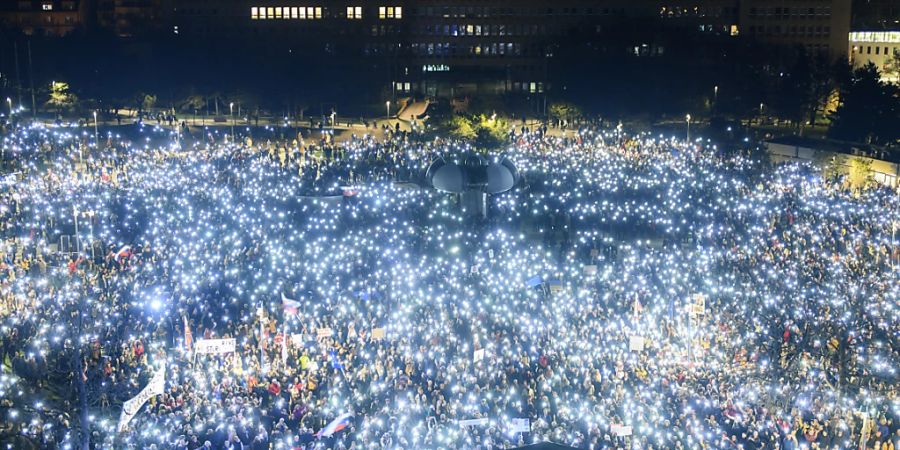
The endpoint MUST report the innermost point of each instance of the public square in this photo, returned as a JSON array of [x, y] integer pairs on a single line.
[[631, 291]]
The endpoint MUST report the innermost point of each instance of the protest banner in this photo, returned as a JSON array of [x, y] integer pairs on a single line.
[[214, 346], [378, 333], [636, 343], [474, 422], [131, 407], [479, 354], [620, 430], [519, 425], [324, 332]]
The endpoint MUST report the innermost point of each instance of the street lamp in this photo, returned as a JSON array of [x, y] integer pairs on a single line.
[[96, 133], [687, 119], [9, 101], [231, 109], [715, 96], [332, 121], [387, 105]]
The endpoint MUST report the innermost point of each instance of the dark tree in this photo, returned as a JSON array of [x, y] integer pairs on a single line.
[[869, 109]]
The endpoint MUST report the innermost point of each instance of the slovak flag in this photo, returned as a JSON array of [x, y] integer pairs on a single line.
[[290, 306], [123, 252], [338, 424]]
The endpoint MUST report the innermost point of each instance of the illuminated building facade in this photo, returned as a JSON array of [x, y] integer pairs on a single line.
[[877, 47]]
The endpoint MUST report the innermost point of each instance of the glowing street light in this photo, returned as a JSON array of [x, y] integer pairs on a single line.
[[9, 102], [687, 119], [387, 105], [96, 133], [231, 109]]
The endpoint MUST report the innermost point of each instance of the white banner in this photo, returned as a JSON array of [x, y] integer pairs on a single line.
[[636, 343], [214, 346], [479, 354], [131, 407], [621, 430], [474, 422], [520, 425]]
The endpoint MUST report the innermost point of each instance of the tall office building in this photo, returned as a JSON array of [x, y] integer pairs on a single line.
[[43, 17], [818, 26]]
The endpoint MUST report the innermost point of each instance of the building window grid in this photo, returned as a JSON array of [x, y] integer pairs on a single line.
[[286, 12]]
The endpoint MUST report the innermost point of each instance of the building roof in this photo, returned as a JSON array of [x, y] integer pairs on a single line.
[[836, 146]]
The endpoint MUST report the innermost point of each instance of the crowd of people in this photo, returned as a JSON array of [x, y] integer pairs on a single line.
[[631, 291]]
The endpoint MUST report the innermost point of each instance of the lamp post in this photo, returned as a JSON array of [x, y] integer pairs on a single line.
[[96, 133], [387, 105], [231, 113], [687, 119], [333, 113], [9, 102], [715, 97]]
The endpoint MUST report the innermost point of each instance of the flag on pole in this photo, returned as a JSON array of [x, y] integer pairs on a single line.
[[338, 424], [290, 306], [188, 337], [263, 335]]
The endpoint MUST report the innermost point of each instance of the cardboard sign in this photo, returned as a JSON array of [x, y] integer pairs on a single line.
[[621, 430], [590, 270], [378, 333], [479, 354], [324, 332]]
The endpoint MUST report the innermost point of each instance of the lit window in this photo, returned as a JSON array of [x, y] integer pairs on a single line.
[[302, 13], [734, 30], [254, 13], [390, 12], [295, 14], [354, 12], [277, 12], [318, 12], [47, 6], [270, 12]]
